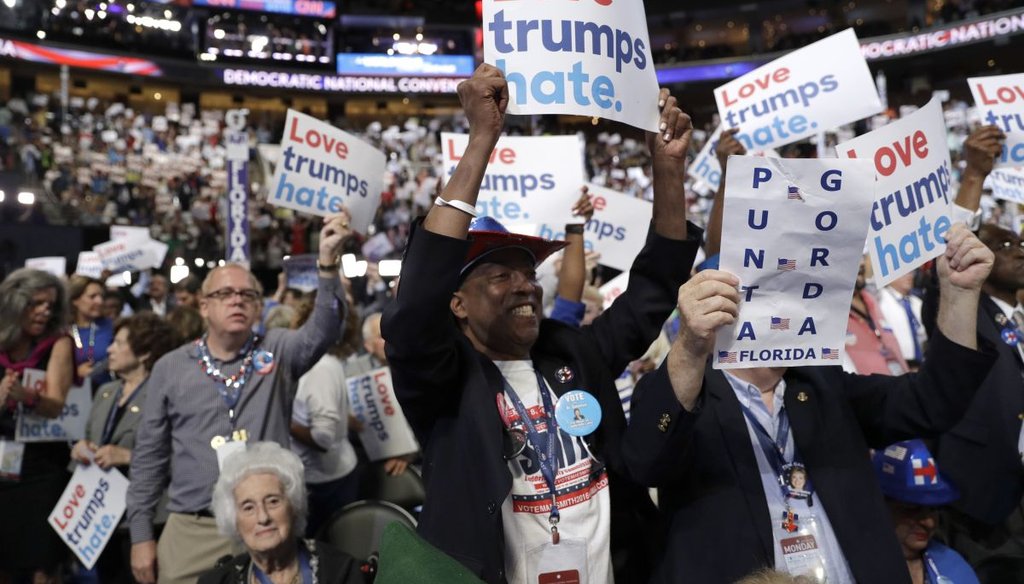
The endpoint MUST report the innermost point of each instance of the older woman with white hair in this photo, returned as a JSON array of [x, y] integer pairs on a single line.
[[260, 499]]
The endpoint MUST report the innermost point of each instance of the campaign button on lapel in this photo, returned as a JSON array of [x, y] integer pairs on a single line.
[[802, 397], [564, 375]]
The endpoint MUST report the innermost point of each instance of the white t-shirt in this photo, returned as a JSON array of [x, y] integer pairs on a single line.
[[584, 501], [321, 403]]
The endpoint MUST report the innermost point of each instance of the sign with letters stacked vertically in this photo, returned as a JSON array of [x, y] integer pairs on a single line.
[[792, 231]]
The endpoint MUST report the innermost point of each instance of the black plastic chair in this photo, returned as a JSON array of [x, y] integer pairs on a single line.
[[405, 490], [356, 528]]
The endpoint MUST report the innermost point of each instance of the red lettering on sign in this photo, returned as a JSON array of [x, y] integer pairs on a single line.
[[317, 139], [1004, 94], [502, 155], [763, 82]]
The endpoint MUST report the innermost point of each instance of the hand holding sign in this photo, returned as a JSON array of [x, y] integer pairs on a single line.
[[981, 149], [707, 302], [584, 206], [966, 263], [727, 146], [484, 98], [335, 231]]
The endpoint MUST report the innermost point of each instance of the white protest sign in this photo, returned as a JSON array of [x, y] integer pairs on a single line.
[[89, 264], [528, 180], [323, 168], [800, 94], [121, 255], [118, 232], [1007, 183], [301, 273], [1000, 100], [88, 512], [792, 231], [70, 425], [705, 167], [614, 288], [582, 58], [618, 229], [911, 214], [56, 265], [386, 433]]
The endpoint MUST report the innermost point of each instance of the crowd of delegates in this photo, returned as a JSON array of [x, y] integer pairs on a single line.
[[183, 375]]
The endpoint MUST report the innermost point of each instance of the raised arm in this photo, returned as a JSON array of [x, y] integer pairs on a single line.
[[669, 149], [727, 145], [962, 271], [484, 98], [305, 346], [630, 325], [573, 275]]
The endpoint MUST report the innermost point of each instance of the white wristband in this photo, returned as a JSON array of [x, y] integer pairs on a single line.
[[461, 206]]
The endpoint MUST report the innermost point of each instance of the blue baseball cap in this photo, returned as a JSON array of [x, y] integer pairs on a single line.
[[487, 235], [907, 472]]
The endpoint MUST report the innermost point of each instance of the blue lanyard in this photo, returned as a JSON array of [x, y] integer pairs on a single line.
[[304, 568], [914, 326], [548, 458], [775, 450], [108, 426]]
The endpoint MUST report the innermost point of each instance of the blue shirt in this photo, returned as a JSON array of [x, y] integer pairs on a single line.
[[567, 311], [750, 398], [948, 564]]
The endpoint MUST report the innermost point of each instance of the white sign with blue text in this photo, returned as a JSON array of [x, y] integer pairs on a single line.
[[618, 229], [528, 180], [70, 425], [89, 510], [1000, 101], [590, 58], [705, 166], [323, 168], [911, 214], [813, 89], [1007, 183], [792, 231], [386, 433]]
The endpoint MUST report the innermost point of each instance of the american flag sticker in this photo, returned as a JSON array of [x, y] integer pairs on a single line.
[[793, 194], [828, 353], [779, 324], [727, 356], [787, 265]]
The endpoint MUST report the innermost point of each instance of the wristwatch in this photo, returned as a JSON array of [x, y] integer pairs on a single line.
[[327, 267]]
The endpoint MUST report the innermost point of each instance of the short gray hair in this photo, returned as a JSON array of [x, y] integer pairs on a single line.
[[16, 293], [208, 281], [260, 458]]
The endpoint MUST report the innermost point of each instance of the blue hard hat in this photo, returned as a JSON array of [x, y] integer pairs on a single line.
[[487, 235], [907, 472]]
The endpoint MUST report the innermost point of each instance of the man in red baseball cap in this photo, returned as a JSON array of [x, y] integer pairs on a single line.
[[520, 488]]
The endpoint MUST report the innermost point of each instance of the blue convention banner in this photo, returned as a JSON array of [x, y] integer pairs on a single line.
[[318, 8], [238, 198], [411, 65]]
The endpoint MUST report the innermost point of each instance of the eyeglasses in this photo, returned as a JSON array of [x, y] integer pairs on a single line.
[[225, 294], [1008, 244]]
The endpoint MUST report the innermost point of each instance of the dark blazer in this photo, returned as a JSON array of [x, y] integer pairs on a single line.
[[980, 453], [124, 430], [712, 495], [333, 566], [447, 391]]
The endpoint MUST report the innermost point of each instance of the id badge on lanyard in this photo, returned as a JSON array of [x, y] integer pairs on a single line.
[[562, 563], [801, 550], [11, 455]]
